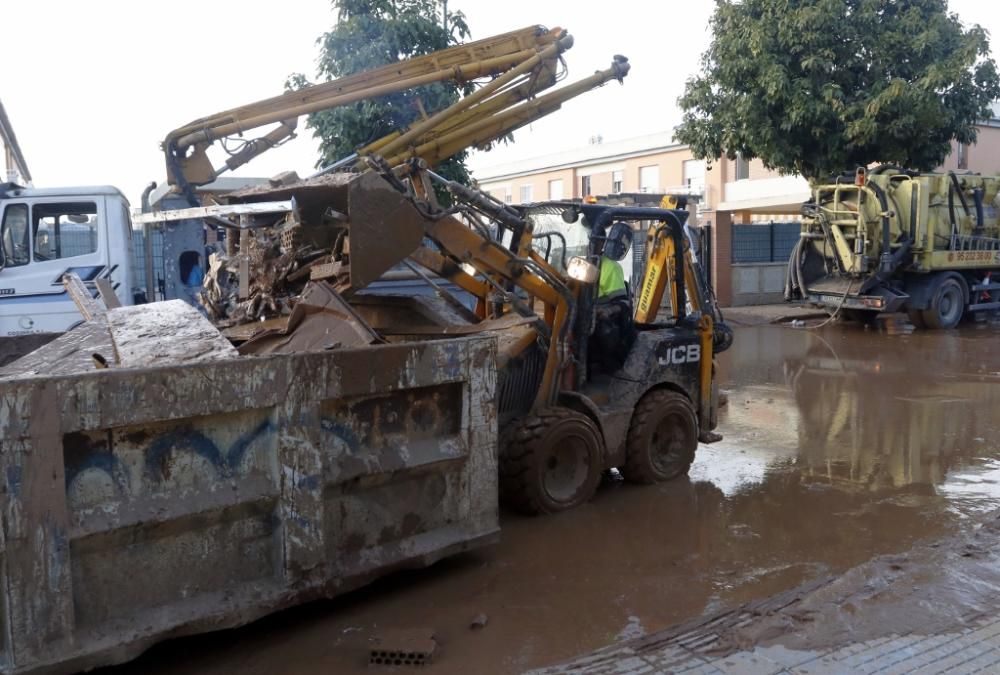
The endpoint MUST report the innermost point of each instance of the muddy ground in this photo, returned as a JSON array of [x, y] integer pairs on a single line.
[[841, 445]]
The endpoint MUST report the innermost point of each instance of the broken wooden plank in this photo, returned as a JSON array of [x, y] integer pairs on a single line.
[[82, 296], [71, 353], [107, 292], [163, 333]]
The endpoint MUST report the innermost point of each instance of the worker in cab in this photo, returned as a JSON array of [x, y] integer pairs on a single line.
[[611, 286], [614, 330]]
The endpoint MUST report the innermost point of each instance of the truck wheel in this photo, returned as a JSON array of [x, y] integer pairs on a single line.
[[662, 438], [947, 304], [550, 461]]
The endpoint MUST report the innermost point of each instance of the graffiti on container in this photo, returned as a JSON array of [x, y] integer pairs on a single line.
[[104, 462], [96, 455], [224, 461], [342, 433]]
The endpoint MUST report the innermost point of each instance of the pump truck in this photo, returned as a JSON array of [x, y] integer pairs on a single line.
[[889, 239]]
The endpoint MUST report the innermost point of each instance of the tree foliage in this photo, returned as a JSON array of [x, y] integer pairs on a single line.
[[822, 86], [372, 33]]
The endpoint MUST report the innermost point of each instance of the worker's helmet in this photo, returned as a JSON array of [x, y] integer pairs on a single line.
[[618, 241]]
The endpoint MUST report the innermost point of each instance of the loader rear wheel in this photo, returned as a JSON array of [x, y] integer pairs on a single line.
[[550, 461], [947, 304], [662, 438]]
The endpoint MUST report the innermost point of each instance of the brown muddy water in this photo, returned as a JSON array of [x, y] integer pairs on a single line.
[[840, 445]]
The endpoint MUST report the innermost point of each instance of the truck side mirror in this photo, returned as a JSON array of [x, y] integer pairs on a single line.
[[3, 246]]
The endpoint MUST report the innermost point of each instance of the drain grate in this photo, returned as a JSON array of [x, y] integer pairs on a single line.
[[403, 648]]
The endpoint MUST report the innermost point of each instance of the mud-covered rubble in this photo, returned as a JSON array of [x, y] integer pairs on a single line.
[[265, 270], [160, 333]]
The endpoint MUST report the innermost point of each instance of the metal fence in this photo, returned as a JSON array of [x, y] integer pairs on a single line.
[[79, 241], [764, 242], [139, 249]]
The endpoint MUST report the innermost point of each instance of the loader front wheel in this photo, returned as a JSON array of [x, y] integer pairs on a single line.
[[662, 438], [550, 461]]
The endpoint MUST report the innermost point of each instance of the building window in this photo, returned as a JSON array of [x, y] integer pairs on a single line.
[[742, 168], [617, 179], [585, 186], [556, 189], [649, 178], [963, 156], [508, 198], [694, 173], [526, 194]]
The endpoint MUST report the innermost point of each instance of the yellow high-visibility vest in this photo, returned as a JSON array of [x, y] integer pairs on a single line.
[[612, 283]]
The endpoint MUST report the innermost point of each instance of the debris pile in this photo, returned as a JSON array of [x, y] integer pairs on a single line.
[[281, 267], [267, 265]]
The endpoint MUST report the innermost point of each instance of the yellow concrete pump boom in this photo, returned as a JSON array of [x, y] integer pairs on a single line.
[[482, 124], [531, 52]]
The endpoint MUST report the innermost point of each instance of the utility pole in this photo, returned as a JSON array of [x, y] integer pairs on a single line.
[[17, 168]]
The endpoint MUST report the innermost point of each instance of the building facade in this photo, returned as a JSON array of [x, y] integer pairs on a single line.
[[747, 263]]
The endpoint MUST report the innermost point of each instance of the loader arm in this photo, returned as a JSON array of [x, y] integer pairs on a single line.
[[670, 268], [186, 148]]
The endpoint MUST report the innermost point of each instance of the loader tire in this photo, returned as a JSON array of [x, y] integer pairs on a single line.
[[947, 304], [662, 438], [550, 461]]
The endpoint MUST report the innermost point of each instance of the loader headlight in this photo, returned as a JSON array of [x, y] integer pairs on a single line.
[[582, 270]]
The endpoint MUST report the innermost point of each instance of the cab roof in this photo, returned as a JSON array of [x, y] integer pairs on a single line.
[[12, 191]]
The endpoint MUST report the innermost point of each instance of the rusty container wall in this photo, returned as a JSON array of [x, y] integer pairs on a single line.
[[144, 504]]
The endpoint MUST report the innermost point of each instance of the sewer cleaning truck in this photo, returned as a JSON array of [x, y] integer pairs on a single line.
[[890, 240]]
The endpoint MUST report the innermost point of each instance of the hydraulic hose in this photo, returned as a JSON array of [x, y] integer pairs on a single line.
[[884, 203], [977, 198], [789, 288]]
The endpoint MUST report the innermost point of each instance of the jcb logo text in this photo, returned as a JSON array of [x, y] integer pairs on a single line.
[[681, 354]]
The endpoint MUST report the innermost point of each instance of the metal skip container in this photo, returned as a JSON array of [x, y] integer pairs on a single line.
[[147, 503]]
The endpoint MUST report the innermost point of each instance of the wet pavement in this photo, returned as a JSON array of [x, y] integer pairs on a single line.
[[841, 445]]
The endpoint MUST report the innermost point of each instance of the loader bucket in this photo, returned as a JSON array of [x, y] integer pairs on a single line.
[[384, 228]]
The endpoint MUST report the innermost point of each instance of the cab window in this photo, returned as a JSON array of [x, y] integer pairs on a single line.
[[15, 235], [64, 230], [558, 241]]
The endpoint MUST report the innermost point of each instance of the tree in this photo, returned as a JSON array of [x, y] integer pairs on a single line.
[[818, 87], [372, 33]]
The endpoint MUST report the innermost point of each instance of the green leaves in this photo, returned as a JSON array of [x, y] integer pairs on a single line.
[[372, 33], [823, 86]]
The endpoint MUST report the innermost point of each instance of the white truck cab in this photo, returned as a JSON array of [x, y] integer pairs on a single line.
[[46, 233]]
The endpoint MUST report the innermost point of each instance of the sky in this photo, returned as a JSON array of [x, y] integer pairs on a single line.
[[92, 87]]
